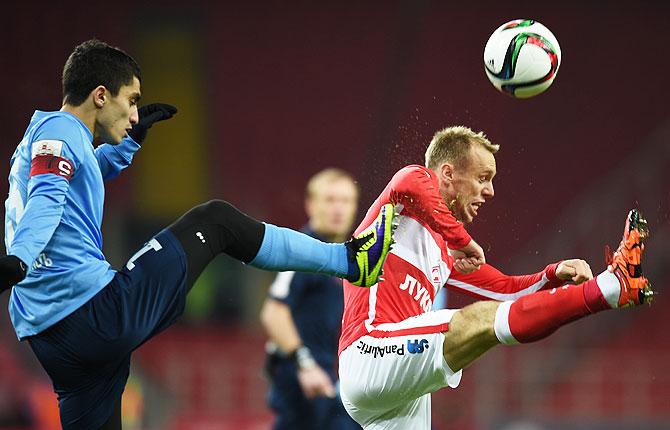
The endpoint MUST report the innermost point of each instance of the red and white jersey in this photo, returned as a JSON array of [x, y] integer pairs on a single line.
[[419, 264]]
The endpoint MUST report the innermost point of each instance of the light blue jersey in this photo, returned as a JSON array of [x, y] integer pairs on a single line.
[[53, 216]]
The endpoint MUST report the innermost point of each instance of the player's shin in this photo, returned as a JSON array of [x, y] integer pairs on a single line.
[[283, 249], [536, 316], [360, 260]]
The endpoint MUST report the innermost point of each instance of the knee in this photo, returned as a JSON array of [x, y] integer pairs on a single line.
[[214, 210], [227, 219]]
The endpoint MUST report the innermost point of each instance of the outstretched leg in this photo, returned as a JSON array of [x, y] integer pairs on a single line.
[[470, 334], [479, 327], [215, 227], [218, 227]]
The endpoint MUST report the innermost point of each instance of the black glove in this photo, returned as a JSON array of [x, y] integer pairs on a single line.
[[150, 114], [12, 271]]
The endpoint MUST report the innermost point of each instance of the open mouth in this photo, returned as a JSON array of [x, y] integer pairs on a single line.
[[475, 206]]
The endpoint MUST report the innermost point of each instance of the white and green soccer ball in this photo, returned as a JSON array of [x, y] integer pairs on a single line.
[[521, 58]]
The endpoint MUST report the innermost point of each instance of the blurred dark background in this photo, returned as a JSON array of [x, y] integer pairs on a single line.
[[271, 92]]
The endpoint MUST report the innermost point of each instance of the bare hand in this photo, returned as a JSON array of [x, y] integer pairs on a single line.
[[466, 265], [315, 382], [469, 258], [575, 270]]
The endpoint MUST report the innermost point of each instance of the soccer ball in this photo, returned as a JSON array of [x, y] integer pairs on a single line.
[[521, 58]]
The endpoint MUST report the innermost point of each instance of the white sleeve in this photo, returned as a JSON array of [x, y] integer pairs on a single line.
[[281, 286]]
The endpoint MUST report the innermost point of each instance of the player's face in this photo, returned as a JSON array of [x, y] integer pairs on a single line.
[[332, 209], [119, 113], [472, 184]]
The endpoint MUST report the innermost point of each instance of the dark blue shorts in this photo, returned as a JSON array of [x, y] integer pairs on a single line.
[[87, 354]]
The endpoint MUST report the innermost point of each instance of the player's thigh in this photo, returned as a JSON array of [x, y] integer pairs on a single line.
[[378, 374], [415, 415], [471, 333], [150, 289], [89, 389]]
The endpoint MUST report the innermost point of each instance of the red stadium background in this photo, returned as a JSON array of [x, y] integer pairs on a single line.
[[271, 92]]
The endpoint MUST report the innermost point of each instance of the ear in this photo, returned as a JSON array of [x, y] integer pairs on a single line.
[[308, 207], [446, 172], [99, 96]]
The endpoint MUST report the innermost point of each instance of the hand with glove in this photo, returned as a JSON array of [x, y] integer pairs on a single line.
[[148, 115], [12, 271]]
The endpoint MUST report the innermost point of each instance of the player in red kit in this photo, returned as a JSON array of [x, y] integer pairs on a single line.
[[395, 351]]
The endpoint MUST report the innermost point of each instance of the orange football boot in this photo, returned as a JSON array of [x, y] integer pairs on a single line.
[[626, 263]]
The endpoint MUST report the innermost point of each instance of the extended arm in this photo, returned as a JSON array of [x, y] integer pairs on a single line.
[[489, 283]]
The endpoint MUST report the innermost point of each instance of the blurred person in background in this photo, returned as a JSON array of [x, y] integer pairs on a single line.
[[302, 316], [82, 318]]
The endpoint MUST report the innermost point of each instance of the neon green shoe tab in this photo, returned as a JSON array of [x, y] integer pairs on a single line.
[[371, 247]]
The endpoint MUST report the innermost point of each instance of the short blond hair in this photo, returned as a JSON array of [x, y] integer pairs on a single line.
[[330, 174], [452, 144]]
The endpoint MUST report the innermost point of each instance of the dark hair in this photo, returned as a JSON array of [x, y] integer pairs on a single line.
[[94, 63]]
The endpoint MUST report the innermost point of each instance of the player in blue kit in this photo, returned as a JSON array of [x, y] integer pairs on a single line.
[[81, 317]]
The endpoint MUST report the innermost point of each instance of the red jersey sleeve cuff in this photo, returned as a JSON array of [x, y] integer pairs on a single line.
[[550, 272]]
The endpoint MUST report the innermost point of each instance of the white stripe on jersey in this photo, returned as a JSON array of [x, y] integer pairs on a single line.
[[281, 285], [372, 302], [501, 297], [428, 319], [418, 247]]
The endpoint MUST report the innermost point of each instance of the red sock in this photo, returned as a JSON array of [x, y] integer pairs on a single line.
[[536, 316]]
